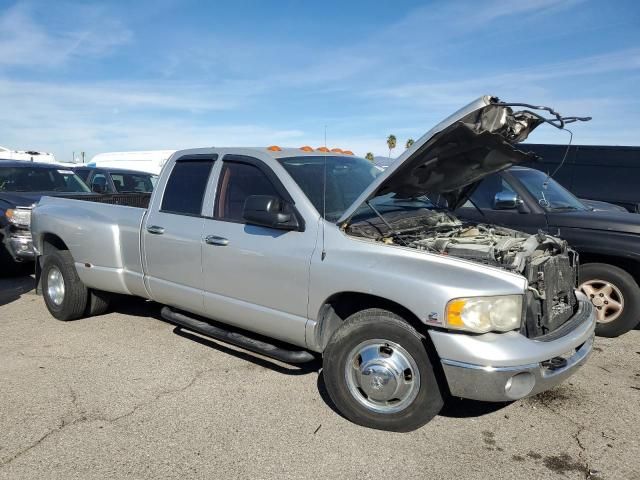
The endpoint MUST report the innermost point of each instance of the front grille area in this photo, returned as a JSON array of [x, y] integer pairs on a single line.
[[554, 301]]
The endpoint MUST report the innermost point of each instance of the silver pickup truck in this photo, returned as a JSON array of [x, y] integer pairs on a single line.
[[296, 253]]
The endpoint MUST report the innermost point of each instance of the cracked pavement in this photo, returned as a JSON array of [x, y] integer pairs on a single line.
[[127, 395]]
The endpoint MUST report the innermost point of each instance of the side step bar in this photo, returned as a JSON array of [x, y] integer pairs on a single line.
[[234, 338]]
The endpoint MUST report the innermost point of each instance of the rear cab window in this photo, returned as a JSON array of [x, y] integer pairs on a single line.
[[186, 186]]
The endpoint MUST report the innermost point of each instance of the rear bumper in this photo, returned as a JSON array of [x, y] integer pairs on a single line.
[[504, 367]]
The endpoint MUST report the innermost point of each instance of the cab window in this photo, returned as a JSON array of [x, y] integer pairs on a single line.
[[485, 193], [184, 192], [238, 181]]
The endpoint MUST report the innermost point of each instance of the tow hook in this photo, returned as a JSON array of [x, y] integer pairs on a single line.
[[555, 363]]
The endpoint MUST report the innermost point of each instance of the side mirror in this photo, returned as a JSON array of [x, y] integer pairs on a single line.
[[270, 211], [99, 185], [506, 200]]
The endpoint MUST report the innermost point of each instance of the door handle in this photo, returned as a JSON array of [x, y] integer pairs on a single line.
[[155, 229], [216, 240]]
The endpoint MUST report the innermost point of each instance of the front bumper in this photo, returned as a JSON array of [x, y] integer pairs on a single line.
[[500, 367], [20, 246]]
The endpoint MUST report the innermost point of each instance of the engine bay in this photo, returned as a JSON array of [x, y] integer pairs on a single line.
[[442, 233], [547, 263]]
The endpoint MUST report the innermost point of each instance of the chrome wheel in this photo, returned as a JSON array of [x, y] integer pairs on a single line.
[[382, 376], [55, 286], [605, 297]]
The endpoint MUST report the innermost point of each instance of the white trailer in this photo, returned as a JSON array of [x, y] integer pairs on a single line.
[[26, 155], [150, 161]]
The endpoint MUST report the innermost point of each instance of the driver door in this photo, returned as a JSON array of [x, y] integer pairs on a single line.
[[255, 277]]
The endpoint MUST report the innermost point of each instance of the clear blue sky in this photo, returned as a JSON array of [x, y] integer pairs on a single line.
[[167, 74]]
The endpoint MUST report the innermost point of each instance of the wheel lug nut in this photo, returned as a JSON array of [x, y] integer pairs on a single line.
[[602, 294], [592, 295], [606, 302], [599, 308]]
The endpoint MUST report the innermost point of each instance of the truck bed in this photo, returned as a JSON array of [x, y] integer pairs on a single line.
[[103, 234]]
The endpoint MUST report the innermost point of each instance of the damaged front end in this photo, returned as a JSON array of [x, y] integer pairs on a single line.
[[547, 263]]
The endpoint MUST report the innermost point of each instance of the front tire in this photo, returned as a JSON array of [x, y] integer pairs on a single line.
[[378, 373], [65, 296], [615, 296]]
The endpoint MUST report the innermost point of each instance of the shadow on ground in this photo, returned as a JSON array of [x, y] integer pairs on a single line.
[[12, 288]]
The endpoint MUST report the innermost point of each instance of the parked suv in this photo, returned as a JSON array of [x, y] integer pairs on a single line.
[[116, 180], [608, 241], [22, 184]]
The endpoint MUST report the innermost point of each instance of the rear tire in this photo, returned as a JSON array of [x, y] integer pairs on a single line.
[[378, 373], [607, 285], [99, 302], [65, 296]]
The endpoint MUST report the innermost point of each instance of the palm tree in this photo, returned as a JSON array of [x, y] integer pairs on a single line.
[[409, 143], [369, 156], [391, 143]]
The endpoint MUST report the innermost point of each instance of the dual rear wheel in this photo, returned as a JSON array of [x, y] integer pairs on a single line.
[[65, 296]]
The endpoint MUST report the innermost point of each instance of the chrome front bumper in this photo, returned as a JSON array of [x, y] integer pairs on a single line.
[[21, 246], [504, 367]]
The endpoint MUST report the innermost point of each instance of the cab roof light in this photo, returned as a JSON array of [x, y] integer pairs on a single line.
[[347, 152], [274, 148], [322, 149], [306, 148], [337, 150]]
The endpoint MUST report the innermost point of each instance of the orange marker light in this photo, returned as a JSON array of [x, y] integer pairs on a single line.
[[322, 149], [274, 148], [347, 152], [337, 150], [306, 148]]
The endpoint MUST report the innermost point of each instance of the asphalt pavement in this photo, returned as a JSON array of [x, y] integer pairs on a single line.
[[126, 395]]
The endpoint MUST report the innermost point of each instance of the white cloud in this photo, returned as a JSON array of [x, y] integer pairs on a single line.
[[26, 43]]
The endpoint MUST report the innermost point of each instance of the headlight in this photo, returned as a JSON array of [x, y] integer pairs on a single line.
[[19, 216], [484, 314]]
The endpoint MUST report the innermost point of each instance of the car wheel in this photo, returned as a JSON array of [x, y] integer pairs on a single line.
[[64, 293], [99, 302], [615, 296], [378, 373]]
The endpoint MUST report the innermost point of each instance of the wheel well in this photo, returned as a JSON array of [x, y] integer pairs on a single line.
[[51, 242], [629, 265], [337, 308]]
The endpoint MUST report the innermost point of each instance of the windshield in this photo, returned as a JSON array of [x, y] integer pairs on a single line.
[[133, 182], [37, 179], [347, 177], [550, 194]]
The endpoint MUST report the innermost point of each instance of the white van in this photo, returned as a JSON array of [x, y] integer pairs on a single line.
[[150, 161]]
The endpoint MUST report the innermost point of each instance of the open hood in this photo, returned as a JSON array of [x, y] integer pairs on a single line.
[[453, 156]]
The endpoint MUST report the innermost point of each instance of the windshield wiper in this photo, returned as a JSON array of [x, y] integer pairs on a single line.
[[563, 207]]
